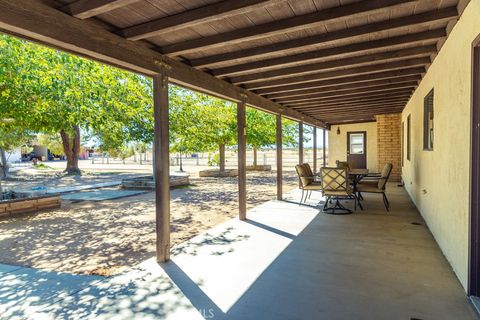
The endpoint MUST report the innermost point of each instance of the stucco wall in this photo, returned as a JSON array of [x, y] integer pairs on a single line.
[[337, 144], [438, 180]]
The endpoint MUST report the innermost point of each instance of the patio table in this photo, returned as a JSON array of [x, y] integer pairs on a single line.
[[357, 175]]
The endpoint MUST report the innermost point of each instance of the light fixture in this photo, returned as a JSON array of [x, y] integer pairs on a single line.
[[338, 130]]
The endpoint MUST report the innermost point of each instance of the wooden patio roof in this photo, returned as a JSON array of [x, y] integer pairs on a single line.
[[317, 61]]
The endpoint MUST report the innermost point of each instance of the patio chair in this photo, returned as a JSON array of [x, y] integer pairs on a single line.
[[342, 164], [307, 181], [378, 186], [316, 176], [336, 186], [373, 177]]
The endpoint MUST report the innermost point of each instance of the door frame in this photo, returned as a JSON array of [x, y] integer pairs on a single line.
[[474, 232], [364, 145]]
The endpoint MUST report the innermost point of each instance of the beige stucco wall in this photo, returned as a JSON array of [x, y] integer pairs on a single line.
[[438, 180], [337, 144]]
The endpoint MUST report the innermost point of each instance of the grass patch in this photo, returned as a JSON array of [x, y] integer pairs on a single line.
[[42, 166]]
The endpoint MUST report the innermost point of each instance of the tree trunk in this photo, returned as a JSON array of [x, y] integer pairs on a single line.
[[254, 157], [140, 157], [3, 164], [71, 148], [222, 157]]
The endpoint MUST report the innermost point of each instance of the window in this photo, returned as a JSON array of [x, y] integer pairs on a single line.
[[356, 143], [408, 136], [403, 142], [428, 121]]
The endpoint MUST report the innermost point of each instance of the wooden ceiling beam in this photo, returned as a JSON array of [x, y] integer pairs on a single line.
[[353, 122], [354, 85], [360, 96], [297, 23], [35, 20], [360, 112], [340, 73], [405, 95], [327, 106], [386, 75], [340, 63], [393, 108], [355, 109], [190, 18], [316, 40], [331, 52], [346, 93], [83, 9]]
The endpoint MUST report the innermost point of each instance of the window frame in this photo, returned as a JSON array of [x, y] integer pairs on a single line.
[[428, 132], [409, 136]]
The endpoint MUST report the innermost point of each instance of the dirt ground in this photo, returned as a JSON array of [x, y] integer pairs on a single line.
[[106, 237]]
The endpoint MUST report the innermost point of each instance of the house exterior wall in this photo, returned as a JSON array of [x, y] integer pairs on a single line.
[[337, 143], [389, 143], [438, 181]]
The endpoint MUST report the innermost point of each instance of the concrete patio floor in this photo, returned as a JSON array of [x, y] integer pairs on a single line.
[[285, 262]]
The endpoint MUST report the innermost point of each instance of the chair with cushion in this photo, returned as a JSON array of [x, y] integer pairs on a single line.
[[336, 186], [342, 164], [307, 181], [315, 176], [377, 186]]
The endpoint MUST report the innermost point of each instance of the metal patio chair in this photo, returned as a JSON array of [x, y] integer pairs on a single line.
[[336, 186], [307, 182]]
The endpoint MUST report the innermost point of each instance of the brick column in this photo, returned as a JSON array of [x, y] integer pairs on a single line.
[[389, 133]]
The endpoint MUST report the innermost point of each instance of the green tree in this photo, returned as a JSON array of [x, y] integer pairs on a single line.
[[58, 93], [200, 123], [52, 141], [11, 137]]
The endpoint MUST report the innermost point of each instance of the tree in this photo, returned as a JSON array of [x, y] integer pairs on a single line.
[[58, 93], [201, 123], [122, 152], [11, 137], [261, 130], [52, 141]]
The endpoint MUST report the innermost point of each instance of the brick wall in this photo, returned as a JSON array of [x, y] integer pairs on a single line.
[[389, 143]]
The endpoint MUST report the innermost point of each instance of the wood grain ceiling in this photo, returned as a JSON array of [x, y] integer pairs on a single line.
[[333, 60]]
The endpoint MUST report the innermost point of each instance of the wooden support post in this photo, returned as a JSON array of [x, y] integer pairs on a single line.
[[279, 159], [314, 149], [324, 147], [162, 170], [300, 146], [242, 161], [300, 142]]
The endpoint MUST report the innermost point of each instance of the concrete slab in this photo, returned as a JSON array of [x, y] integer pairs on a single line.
[[85, 187], [25, 291], [285, 262], [6, 268], [100, 195]]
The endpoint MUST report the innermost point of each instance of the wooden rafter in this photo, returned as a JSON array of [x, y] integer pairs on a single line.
[[339, 63], [297, 23], [314, 105], [358, 96], [84, 9], [345, 80], [355, 85], [346, 93], [190, 18], [332, 52], [340, 73], [314, 41], [346, 106]]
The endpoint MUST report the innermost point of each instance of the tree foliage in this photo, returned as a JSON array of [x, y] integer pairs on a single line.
[[53, 92]]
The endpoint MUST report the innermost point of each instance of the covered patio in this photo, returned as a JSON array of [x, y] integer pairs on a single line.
[[320, 63], [284, 262]]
